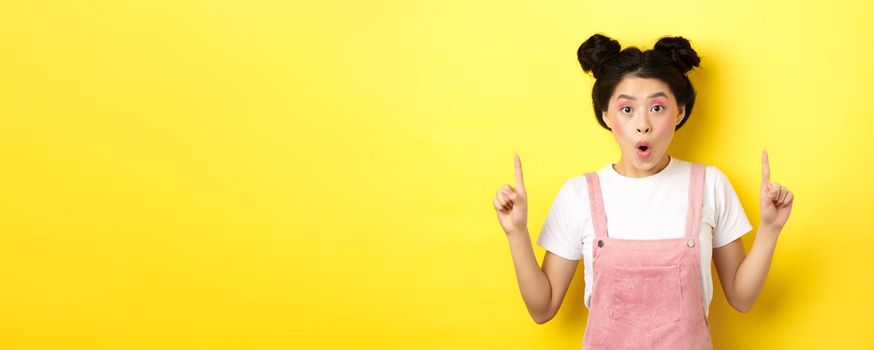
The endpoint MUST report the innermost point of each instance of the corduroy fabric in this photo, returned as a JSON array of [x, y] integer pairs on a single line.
[[647, 293]]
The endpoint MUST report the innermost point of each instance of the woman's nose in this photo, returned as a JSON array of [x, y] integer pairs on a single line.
[[643, 125]]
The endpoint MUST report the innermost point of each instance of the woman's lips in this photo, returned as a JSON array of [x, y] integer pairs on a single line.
[[643, 149], [644, 154]]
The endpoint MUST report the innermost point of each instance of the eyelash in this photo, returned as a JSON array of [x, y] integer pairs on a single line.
[[621, 109]]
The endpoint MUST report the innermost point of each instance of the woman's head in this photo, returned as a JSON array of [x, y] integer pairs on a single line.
[[641, 96], [668, 61]]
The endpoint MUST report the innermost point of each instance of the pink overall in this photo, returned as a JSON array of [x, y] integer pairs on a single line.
[[647, 293]]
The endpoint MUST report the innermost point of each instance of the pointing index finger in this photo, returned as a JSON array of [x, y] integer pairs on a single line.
[[766, 170], [519, 182]]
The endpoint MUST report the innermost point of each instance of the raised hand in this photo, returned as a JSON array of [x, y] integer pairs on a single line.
[[775, 201], [511, 204]]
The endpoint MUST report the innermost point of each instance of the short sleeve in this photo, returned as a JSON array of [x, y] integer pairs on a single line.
[[561, 232], [731, 220]]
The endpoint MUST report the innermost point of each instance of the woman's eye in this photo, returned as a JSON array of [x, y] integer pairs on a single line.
[[660, 108], [626, 109]]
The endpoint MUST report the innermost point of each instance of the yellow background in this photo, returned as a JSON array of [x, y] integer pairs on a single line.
[[274, 174]]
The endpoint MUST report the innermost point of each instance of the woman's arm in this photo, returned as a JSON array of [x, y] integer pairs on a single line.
[[542, 289], [742, 276]]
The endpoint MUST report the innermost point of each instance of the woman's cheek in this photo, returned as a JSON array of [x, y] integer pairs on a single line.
[[666, 125], [667, 122]]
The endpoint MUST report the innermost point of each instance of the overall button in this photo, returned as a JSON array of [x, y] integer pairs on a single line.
[[690, 243], [600, 243]]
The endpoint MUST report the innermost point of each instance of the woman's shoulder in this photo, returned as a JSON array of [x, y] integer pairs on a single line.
[[711, 171], [573, 192], [575, 184], [716, 175], [570, 206], [716, 182]]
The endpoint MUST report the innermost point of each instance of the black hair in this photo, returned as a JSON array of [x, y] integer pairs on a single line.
[[668, 61]]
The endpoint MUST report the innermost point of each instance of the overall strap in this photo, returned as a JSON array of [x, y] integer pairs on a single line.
[[599, 219], [696, 194]]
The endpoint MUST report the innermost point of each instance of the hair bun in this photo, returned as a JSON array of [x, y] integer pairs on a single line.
[[680, 51], [595, 51]]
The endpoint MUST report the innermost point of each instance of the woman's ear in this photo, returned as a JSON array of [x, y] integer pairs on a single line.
[[680, 115], [606, 120]]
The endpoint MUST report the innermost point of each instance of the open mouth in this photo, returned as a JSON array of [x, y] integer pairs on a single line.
[[643, 149]]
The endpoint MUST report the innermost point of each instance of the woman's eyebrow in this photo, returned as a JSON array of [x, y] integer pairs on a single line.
[[657, 94]]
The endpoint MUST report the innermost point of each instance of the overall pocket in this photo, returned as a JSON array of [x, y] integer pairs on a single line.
[[646, 297]]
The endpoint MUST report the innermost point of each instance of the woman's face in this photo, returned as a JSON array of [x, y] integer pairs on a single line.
[[642, 114]]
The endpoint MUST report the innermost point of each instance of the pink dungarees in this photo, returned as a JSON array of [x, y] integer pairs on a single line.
[[647, 293]]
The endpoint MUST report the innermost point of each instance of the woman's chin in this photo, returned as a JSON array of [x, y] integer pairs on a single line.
[[645, 161], [642, 163]]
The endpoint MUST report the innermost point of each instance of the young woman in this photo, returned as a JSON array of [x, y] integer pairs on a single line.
[[647, 226]]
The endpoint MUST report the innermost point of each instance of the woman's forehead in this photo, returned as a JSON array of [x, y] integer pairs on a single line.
[[640, 89]]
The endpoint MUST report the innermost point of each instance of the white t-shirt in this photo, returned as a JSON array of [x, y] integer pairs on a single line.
[[652, 207]]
